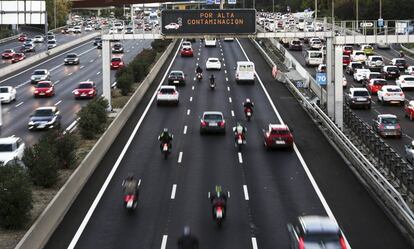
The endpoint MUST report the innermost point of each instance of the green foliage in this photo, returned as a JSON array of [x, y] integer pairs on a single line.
[[65, 145], [160, 45], [124, 82], [63, 8], [15, 196], [93, 118]]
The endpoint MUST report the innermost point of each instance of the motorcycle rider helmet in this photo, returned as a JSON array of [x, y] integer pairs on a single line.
[[130, 176], [187, 231], [218, 190], [247, 100]]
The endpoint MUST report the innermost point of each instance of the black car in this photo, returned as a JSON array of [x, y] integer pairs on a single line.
[[352, 67], [390, 72], [295, 45], [97, 40], [176, 78], [72, 59], [129, 30], [99, 45], [44, 118], [117, 48]]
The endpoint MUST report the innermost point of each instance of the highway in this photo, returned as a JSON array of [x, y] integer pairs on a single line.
[[65, 78], [377, 107], [39, 47], [268, 189]]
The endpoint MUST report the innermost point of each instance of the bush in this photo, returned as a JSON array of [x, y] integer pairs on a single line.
[[66, 150], [160, 45], [15, 196], [124, 82], [92, 118]]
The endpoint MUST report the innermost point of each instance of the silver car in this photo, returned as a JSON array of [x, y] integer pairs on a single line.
[[212, 122]]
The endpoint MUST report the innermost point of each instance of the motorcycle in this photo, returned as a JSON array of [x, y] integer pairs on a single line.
[[165, 150], [199, 77], [240, 141], [248, 113], [212, 85], [131, 201], [219, 214]]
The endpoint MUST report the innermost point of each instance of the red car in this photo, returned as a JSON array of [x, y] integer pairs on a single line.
[[375, 85], [86, 89], [18, 57], [409, 109], [44, 89], [278, 135], [22, 38], [7, 54], [346, 60], [116, 63], [348, 50], [187, 52]]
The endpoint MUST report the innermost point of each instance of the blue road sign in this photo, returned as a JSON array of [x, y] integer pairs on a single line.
[[380, 22], [231, 1], [217, 2], [209, 1], [321, 79]]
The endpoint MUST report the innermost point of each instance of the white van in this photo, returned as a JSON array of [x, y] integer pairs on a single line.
[[245, 71], [314, 57], [210, 42]]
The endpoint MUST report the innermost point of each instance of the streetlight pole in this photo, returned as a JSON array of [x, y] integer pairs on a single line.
[[357, 12], [273, 6], [55, 12], [380, 9]]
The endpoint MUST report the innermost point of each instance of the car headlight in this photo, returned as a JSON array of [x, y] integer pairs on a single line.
[[31, 123], [66, 60], [76, 92], [51, 121], [91, 92]]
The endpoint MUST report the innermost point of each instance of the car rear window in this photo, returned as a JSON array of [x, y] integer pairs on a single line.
[[42, 85], [40, 72], [167, 91], [409, 79], [6, 147], [212, 117], [296, 42], [71, 56], [176, 74], [394, 90], [348, 48], [380, 82], [322, 238], [4, 90], [356, 65], [212, 60], [116, 59], [392, 69], [376, 58], [359, 53], [389, 121], [43, 113], [400, 61], [361, 93], [85, 86], [279, 132]]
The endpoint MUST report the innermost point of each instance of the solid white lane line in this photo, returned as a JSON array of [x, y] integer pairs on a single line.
[[224, 64], [246, 193], [227, 79], [232, 113], [240, 157], [82, 67], [54, 68], [228, 89], [194, 78], [254, 243], [88, 215], [91, 61], [98, 73], [228, 194], [19, 104], [185, 129], [173, 190], [225, 71], [180, 157], [57, 82], [70, 74], [164, 241], [188, 112], [230, 99], [191, 99], [57, 103]]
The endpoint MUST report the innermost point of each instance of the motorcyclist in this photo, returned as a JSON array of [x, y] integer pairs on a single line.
[[199, 69], [239, 129], [165, 137], [218, 198], [131, 186], [212, 78], [401, 54], [187, 240], [248, 104]]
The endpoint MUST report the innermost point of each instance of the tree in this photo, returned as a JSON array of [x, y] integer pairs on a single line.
[[124, 82], [93, 118], [63, 8], [15, 196]]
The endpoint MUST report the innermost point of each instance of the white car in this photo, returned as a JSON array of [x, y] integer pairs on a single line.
[[391, 94], [51, 44], [210, 42], [316, 44], [359, 56], [186, 44], [168, 94], [38, 39], [88, 28], [11, 148], [113, 31], [405, 81], [228, 39], [361, 74], [77, 29], [7, 94], [410, 70], [375, 61], [172, 26], [213, 63]]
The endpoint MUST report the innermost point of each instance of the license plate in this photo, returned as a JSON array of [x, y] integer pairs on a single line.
[[176, 81], [361, 99], [41, 126], [41, 93], [280, 142], [83, 94], [389, 127], [213, 124]]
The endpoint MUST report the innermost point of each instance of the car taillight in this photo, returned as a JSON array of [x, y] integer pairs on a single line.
[[221, 123], [381, 126], [203, 123], [36, 91], [342, 242], [301, 244], [397, 126], [403, 81]]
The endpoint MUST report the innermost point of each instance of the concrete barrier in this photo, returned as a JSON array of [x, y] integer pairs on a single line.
[[40, 232]]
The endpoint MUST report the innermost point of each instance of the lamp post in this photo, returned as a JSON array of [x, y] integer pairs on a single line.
[[380, 9], [54, 15], [316, 9], [357, 12]]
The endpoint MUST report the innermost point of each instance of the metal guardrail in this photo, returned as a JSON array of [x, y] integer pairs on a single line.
[[380, 186]]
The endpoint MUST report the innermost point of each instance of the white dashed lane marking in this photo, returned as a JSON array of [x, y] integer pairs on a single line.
[[19, 104], [173, 190], [246, 193]]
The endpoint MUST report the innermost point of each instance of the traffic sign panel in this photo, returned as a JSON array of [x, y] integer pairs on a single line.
[[321, 79], [231, 1]]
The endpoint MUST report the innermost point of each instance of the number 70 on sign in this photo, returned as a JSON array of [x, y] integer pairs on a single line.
[[321, 78]]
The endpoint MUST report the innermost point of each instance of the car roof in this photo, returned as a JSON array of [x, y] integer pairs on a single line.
[[406, 76], [86, 82], [8, 140], [213, 58], [314, 223], [387, 116], [37, 70], [278, 127], [358, 89], [176, 71], [213, 113], [46, 108], [168, 87]]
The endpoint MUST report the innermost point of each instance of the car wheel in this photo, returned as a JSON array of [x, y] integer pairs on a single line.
[[401, 103]]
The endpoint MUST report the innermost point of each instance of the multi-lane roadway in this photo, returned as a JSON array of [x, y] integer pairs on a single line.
[[268, 189]]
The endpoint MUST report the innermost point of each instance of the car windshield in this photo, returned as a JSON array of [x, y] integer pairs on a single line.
[[393, 69], [361, 93], [380, 82], [376, 59], [85, 86], [212, 117], [51, 42], [41, 72], [279, 132], [409, 79], [4, 90], [6, 147], [176, 74], [359, 53], [8, 51], [348, 48], [296, 42], [167, 91], [246, 68], [43, 85], [400, 61], [71, 56], [28, 45], [389, 121], [394, 90], [115, 59], [43, 113], [315, 55], [356, 65], [213, 60]]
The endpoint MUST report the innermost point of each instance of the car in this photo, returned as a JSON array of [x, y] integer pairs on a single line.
[[228, 39], [409, 153], [358, 56], [22, 37], [40, 75], [8, 54], [77, 30], [375, 62], [315, 44], [147, 27], [38, 39], [387, 125], [390, 72], [316, 232], [11, 148], [410, 70], [347, 50], [88, 28], [213, 63], [187, 52], [277, 135], [409, 109], [212, 121], [71, 29], [172, 26], [18, 57], [44, 118], [7, 94], [99, 44], [26, 48], [382, 45], [167, 94], [245, 72], [117, 48], [71, 59], [346, 59], [368, 49], [321, 68], [85, 89], [129, 30], [405, 81], [361, 74], [375, 85], [401, 63], [344, 82], [44, 89], [28, 41], [176, 77], [116, 63], [186, 44], [295, 44], [391, 94], [97, 40], [113, 31], [98, 27], [51, 37], [352, 67], [64, 31], [358, 97], [210, 42], [51, 44]]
